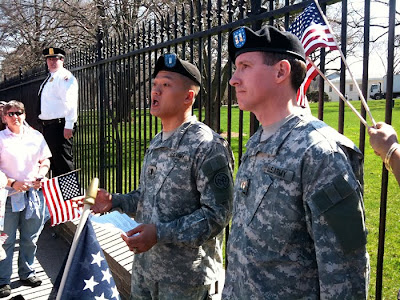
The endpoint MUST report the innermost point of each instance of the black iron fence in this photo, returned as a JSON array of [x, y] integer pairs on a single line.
[[115, 127]]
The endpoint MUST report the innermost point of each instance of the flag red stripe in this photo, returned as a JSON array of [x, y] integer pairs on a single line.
[[321, 32], [60, 209], [51, 203], [64, 210], [301, 93], [313, 40]]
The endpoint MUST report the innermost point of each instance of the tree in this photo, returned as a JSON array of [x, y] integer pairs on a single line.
[[26, 27]]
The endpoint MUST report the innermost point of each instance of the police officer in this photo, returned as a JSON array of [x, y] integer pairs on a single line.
[[184, 197], [298, 228], [58, 110]]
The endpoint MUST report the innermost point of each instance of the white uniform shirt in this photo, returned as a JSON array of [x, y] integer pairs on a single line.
[[59, 98], [20, 153]]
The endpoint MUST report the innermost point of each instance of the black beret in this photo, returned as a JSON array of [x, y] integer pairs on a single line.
[[267, 39], [53, 52], [172, 63]]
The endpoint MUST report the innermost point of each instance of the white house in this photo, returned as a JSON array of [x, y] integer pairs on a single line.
[[350, 89]]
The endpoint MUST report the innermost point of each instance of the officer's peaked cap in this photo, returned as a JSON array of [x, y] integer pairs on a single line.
[[53, 52]]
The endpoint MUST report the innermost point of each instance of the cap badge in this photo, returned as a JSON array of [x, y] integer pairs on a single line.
[[51, 51], [170, 60], [239, 37]]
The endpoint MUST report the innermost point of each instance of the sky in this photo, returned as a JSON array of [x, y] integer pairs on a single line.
[[378, 53]]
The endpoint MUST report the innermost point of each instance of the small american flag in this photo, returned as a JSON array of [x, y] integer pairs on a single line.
[[3, 238], [58, 193], [313, 33]]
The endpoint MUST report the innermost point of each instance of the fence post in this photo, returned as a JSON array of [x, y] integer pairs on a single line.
[[101, 104], [385, 178], [256, 8]]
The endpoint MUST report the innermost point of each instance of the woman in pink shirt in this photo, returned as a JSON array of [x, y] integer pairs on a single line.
[[24, 159]]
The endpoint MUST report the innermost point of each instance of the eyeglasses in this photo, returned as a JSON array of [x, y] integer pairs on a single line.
[[12, 113]]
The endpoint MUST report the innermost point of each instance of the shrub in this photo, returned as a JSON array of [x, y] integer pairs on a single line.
[[314, 95]]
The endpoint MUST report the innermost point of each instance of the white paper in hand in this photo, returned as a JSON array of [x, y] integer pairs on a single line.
[[120, 221]]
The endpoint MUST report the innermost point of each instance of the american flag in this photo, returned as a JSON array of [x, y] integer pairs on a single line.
[[58, 193], [89, 276], [313, 33]]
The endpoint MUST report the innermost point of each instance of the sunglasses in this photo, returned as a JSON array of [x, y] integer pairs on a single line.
[[12, 113]]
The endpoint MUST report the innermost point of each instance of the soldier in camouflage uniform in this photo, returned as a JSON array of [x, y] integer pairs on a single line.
[[298, 228], [184, 199]]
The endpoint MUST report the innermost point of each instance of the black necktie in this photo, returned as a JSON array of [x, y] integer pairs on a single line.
[[39, 108]]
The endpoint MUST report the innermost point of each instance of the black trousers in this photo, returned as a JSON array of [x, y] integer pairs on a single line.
[[62, 160]]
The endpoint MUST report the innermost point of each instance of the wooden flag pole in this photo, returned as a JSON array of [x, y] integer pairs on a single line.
[[90, 197], [339, 93], [364, 103]]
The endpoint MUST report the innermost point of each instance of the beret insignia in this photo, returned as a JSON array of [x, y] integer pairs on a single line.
[[239, 37], [170, 60]]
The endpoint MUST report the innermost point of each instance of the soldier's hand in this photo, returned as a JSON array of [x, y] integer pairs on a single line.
[[103, 202], [142, 238]]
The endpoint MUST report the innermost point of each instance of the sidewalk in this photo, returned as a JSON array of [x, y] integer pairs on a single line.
[[52, 252], [49, 258]]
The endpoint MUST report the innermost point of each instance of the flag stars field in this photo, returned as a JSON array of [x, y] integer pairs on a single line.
[[101, 297], [97, 259], [115, 293], [106, 275], [93, 280], [90, 284]]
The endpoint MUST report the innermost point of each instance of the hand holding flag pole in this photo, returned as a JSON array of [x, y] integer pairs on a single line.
[[89, 200], [364, 103]]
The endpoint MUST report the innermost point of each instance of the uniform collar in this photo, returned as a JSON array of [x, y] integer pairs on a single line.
[[272, 145], [174, 140]]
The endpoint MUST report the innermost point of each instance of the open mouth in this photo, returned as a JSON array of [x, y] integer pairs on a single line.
[[154, 102]]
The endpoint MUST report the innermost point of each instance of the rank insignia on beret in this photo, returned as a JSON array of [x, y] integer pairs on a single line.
[[239, 37], [170, 60]]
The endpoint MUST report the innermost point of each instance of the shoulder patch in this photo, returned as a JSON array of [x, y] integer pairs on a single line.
[[221, 180]]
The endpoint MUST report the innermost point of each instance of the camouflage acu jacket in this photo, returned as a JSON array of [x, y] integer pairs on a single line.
[[298, 229], [186, 189]]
